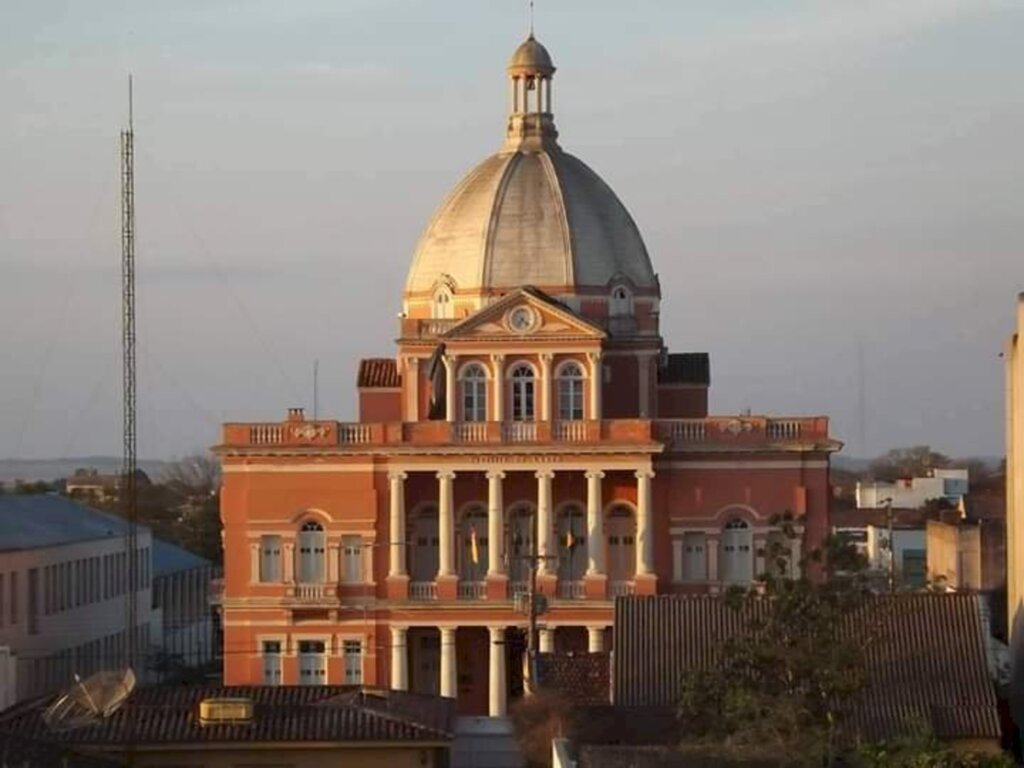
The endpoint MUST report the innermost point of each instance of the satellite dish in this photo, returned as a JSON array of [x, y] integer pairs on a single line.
[[91, 700]]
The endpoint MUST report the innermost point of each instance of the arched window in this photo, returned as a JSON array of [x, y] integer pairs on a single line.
[[522, 535], [444, 304], [423, 548], [474, 548], [737, 557], [572, 544], [312, 553], [570, 392], [621, 302], [621, 533], [473, 384], [522, 393]]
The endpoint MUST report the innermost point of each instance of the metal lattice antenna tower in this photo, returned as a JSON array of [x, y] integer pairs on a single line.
[[129, 489]]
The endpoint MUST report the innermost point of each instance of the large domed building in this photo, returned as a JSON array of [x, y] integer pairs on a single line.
[[530, 431]]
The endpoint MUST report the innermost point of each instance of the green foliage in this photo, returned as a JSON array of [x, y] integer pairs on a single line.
[[779, 687], [916, 461], [923, 751]]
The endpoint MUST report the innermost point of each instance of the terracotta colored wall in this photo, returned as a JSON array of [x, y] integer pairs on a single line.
[[682, 403], [380, 406], [620, 397]]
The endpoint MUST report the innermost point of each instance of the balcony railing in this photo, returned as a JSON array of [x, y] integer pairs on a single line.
[[518, 588], [472, 590], [620, 588], [423, 590], [571, 590], [311, 592], [676, 434]]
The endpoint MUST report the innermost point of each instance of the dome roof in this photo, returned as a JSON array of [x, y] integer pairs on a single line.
[[531, 56], [539, 218], [531, 214]]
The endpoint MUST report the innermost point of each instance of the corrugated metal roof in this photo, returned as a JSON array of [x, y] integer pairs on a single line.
[[32, 521], [378, 373], [927, 662], [169, 715], [686, 368], [169, 558]]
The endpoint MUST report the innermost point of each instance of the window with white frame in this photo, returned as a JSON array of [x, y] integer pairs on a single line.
[[621, 535], [473, 386], [444, 304], [621, 302], [352, 559], [523, 385], [352, 651], [312, 662], [271, 662], [312, 553], [695, 556], [736, 562], [270, 558], [570, 392]]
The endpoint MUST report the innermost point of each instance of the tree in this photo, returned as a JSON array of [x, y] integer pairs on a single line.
[[916, 461], [779, 688], [194, 483]]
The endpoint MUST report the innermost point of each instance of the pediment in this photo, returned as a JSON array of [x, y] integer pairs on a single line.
[[524, 314]]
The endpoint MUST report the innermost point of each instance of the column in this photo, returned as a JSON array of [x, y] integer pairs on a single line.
[[254, 562], [450, 388], [446, 523], [595, 639], [289, 562], [644, 527], [498, 391], [448, 678], [399, 659], [498, 696], [333, 558], [643, 362], [595, 526], [412, 389], [596, 382], [495, 524], [396, 533], [547, 641], [544, 478], [545, 385]]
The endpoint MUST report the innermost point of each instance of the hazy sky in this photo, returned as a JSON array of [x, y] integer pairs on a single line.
[[811, 178]]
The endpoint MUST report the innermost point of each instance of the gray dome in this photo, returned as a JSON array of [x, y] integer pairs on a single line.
[[540, 218]]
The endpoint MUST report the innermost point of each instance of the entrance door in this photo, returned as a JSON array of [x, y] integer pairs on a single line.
[[621, 545], [425, 646], [423, 552]]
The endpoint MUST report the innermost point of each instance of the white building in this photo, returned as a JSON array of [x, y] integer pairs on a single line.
[[64, 591], [181, 602], [912, 493], [1014, 354]]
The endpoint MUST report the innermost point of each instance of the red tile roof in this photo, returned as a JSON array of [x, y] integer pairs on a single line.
[[582, 678], [169, 715], [927, 664], [378, 373]]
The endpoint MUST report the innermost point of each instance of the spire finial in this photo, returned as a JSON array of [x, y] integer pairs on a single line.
[[531, 19]]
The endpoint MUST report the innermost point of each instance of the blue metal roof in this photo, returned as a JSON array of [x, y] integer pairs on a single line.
[[32, 521], [169, 558]]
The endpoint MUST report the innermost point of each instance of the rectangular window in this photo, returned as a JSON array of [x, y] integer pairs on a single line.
[[14, 598], [33, 601], [353, 662], [352, 559], [270, 559], [695, 566], [271, 662], [312, 663]]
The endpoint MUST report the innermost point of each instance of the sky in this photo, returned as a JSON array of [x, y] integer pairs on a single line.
[[830, 192]]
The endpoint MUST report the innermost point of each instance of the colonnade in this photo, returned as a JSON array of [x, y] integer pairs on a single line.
[[546, 549]]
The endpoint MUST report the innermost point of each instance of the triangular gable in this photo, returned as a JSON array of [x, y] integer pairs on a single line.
[[550, 319]]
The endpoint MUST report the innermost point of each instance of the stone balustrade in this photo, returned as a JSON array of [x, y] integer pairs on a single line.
[[676, 434]]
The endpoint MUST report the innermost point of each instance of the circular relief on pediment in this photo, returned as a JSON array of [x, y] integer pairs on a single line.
[[522, 319]]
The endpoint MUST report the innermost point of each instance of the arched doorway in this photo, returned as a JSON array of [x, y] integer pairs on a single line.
[[312, 551], [474, 549], [522, 537], [424, 544], [737, 555], [572, 550]]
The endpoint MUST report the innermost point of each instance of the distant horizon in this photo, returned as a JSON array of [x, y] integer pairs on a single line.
[[829, 194]]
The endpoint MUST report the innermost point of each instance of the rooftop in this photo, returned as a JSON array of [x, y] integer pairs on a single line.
[[170, 558], [169, 715], [34, 521]]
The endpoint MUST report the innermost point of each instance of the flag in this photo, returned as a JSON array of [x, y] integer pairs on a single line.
[[961, 507], [570, 541], [474, 549]]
